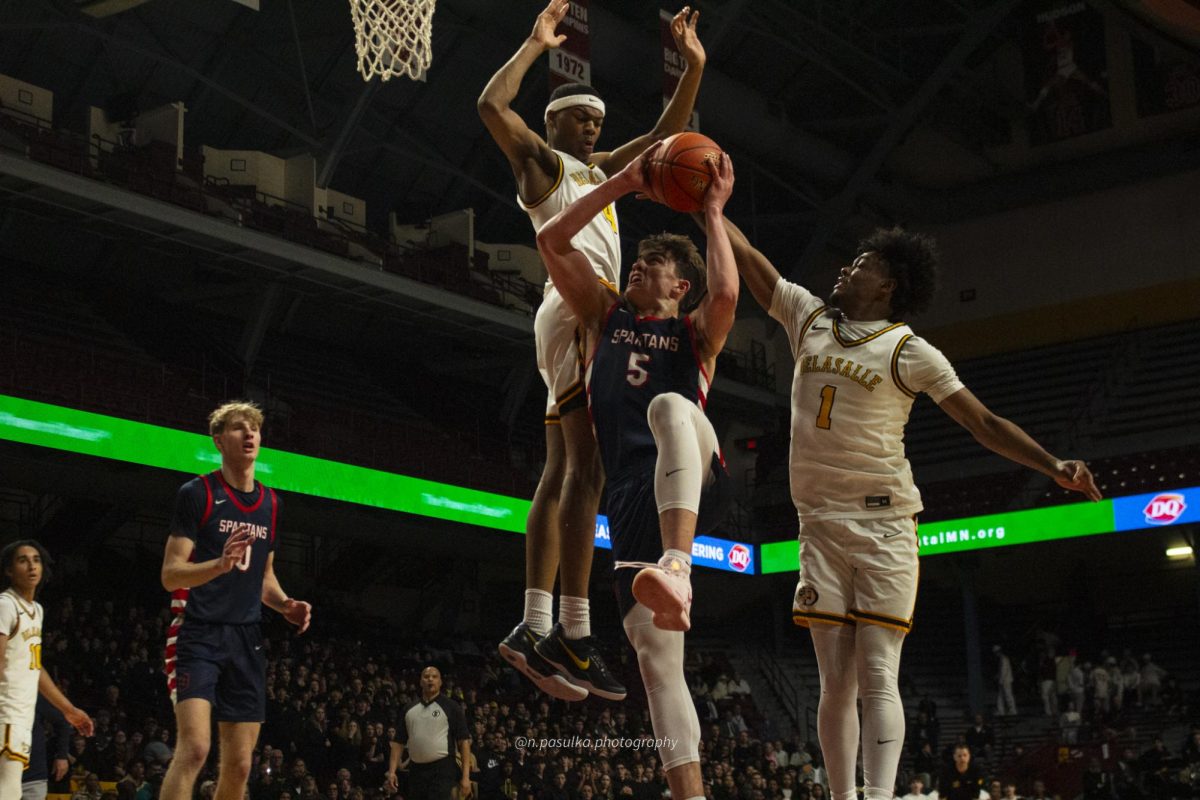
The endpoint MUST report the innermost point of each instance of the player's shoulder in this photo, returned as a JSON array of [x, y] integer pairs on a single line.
[[197, 484]]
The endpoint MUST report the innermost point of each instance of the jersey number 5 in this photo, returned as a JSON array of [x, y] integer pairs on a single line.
[[823, 416], [636, 374]]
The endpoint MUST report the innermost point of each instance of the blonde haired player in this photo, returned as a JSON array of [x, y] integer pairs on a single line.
[[551, 173], [858, 369], [24, 564]]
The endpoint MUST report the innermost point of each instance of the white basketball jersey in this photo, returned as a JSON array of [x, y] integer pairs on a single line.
[[600, 239], [852, 390], [22, 622]]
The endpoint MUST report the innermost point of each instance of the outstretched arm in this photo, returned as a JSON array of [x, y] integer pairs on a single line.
[[1009, 440], [570, 270], [532, 161], [755, 268], [713, 318], [679, 109]]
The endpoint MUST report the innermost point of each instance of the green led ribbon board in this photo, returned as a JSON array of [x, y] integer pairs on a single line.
[[46, 425], [59, 428], [1119, 514]]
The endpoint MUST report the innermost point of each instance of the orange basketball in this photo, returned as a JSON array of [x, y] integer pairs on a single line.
[[679, 172]]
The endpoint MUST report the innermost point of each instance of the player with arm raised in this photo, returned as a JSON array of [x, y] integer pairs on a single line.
[[858, 369], [550, 174], [651, 355], [219, 566]]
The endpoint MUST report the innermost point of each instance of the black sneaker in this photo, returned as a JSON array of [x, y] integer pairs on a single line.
[[579, 661], [517, 649]]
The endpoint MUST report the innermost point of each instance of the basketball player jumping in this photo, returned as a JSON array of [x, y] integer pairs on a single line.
[[219, 566], [651, 356], [25, 566], [858, 370], [550, 174]]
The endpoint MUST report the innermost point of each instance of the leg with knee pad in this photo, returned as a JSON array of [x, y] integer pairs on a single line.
[[672, 713], [686, 443], [837, 713], [877, 653]]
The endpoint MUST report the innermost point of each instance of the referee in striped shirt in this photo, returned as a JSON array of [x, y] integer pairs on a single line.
[[432, 729]]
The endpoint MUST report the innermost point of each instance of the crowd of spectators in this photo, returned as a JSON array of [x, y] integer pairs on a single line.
[[334, 697]]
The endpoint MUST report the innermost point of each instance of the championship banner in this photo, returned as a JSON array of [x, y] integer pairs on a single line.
[[1163, 82], [673, 65], [571, 61], [1066, 71]]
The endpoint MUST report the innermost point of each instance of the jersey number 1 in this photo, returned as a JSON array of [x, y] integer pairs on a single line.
[[823, 416], [35, 656]]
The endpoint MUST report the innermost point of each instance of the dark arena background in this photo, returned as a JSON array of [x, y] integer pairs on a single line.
[[203, 200]]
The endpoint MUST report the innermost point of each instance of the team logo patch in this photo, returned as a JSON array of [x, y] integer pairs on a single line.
[[739, 557], [806, 596], [1164, 509]]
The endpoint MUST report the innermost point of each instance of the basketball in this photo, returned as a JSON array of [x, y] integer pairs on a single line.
[[679, 173]]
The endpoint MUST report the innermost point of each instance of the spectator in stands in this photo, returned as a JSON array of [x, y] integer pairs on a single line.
[[1097, 784], [916, 789], [1076, 683], [1039, 791], [1191, 748], [1006, 705], [1151, 682], [738, 687], [1047, 671], [962, 781], [1100, 691], [1131, 675], [90, 790], [1069, 724], [1153, 765], [1116, 682], [1126, 781], [980, 739], [134, 782], [1010, 792]]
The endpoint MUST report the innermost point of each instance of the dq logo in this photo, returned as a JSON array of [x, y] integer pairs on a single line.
[[739, 557], [1164, 509]]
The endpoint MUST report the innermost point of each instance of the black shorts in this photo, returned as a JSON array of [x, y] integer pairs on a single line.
[[433, 781], [633, 522], [225, 665]]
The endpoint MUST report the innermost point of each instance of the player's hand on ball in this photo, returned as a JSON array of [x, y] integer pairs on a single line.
[[683, 31], [636, 173], [297, 612], [547, 23], [720, 187], [1075, 475], [235, 549]]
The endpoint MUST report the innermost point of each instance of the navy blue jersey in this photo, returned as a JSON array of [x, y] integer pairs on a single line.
[[208, 511], [636, 359]]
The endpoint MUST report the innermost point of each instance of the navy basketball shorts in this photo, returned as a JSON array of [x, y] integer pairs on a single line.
[[632, 512], [225, 665]]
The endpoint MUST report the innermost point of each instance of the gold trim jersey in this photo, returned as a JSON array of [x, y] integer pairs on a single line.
[[852, 390]]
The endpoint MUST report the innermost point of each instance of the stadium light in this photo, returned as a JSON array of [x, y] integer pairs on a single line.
[[1181, 552]]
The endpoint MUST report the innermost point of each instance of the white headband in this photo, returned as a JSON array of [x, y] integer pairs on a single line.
[[589, 100]]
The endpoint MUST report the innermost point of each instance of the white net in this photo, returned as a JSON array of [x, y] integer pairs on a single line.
[[392, 37]]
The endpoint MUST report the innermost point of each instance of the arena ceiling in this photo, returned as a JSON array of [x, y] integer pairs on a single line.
[[839, 113]]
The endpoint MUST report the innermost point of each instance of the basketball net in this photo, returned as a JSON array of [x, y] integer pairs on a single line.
[[392, 37]]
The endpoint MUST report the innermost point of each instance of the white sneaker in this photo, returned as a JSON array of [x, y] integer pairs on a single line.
[[666, 589]]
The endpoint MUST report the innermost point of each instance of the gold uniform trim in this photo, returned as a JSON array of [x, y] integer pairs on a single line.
[[882, 620], [837, 334], [7, 752], [896, 364], [806, 618], [557, 180], [811, 319]]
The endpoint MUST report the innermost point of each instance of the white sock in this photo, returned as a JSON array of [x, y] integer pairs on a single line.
[[672, 554], [575, 616], [539, 611]]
